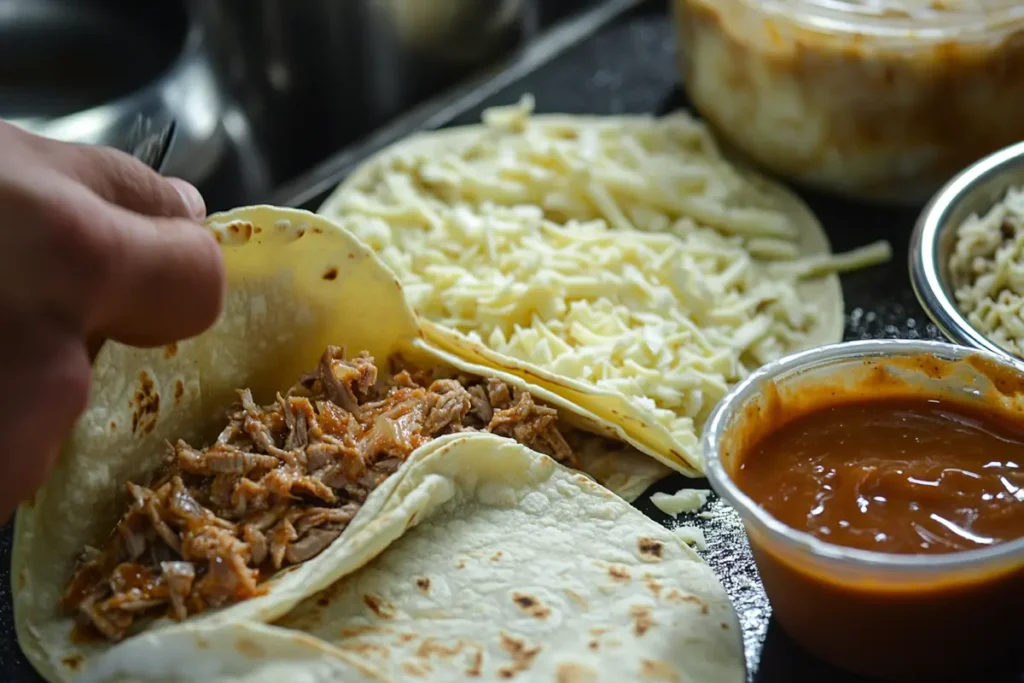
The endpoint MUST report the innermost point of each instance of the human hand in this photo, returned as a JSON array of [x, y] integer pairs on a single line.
[[93, 245]]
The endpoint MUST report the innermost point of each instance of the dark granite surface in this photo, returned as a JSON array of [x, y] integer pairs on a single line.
[[630, 68]]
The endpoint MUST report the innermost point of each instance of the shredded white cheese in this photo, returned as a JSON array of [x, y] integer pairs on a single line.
[[987, 268], [691, 535], [625, 253], [684, 500]]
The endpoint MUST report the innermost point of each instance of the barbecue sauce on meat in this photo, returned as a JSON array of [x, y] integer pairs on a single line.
[[280, 484]]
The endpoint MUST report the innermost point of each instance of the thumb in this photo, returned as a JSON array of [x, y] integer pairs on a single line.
[[168, 282]]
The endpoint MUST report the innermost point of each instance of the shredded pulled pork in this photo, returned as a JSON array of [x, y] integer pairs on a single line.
[[280, 484]]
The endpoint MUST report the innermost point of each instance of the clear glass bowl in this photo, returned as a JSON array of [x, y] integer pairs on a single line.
[[900, 617], [876, 99]]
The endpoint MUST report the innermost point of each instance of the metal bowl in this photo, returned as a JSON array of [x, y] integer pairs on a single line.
[[83, 70], [824, 594], [974, 191], [315, 75]]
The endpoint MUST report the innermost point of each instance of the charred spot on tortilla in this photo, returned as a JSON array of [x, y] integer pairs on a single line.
[[241, 231], [650, 549], [476, 666], [371, 649], [278, 485], [415, 669], [578, 599], [678, 597], [145, 405], [618, 573], [531, 605], [432, 647], [423, 583], [358, 631], [379, 606], [570, 672], [171, 350], [642, 619], [331, 273], [73, 662], [657, 670], [250, 648], [496, 556], [520, 652]]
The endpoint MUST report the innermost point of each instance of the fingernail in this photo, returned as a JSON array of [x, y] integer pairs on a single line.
[[191, 196]]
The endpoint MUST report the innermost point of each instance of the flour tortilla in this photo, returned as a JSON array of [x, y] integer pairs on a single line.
[[825, 293], [514, 568], [296, 283]]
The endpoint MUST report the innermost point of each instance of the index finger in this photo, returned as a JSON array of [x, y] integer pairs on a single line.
[[112, 273], [166, 281], [124, 180]]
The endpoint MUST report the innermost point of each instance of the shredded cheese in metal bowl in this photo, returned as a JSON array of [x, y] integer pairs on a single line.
[[987, 269], [624, 252]]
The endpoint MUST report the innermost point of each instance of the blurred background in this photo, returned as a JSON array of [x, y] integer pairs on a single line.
[[261, 90]]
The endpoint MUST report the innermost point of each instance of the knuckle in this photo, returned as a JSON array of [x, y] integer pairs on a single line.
[[127, 182]]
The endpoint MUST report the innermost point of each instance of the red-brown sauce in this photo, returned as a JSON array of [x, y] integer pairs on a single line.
[[896, 475]]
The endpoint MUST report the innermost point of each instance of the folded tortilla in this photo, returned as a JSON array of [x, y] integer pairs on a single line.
[[297, 283], [512, 568], [392, 186]]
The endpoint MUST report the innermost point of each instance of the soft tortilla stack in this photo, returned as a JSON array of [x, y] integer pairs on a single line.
[[477, 559], [518, 569]]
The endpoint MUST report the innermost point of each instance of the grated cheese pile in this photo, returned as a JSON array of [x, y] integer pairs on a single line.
[[683, 500], [622, 252], [987, 268], [692, 536]]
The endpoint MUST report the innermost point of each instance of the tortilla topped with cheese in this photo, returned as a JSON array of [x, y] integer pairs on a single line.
[[621, 262]]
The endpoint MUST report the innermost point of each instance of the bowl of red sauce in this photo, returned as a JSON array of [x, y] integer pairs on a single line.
[[881, 486]]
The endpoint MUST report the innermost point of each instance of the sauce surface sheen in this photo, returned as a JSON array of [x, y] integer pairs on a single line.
[[900, 475]]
